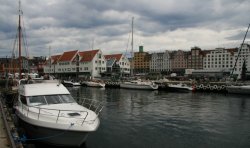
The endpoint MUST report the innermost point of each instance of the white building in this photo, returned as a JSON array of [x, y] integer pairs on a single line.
[[92, 62], [160, 62], [222, 59], [219, 59], [86, 63], [50, 65], [122, 62]]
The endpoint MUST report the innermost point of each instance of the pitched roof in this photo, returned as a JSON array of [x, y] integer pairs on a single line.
[[67, 56], [87, 56], [111, 56], [110, 62], [53, 58]]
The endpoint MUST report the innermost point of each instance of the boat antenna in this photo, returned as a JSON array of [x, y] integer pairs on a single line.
[[19, 38], [240, 50]]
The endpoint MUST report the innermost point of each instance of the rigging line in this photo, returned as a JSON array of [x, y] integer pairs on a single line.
[[25, 46], [24, 38], [14, 46]]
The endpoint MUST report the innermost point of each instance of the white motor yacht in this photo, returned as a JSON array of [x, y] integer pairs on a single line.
[[94, 84], [139, 84], [71, 83], [49, 114]]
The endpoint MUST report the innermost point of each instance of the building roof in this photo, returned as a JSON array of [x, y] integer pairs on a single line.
[[110, 62], [87, 56], [113, 56], [67, 56], [55, 58], [232, 50]]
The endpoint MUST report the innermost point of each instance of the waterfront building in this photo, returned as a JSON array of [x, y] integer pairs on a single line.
[[217, 63], [179, 61], [7, 65], [36, 65], [66, 65], [117, 64], [223, 60], [219, 59], [195, 58], [88, 64], [92, 63], [140, 61], [50, 66], [11, 65], [160, 62]]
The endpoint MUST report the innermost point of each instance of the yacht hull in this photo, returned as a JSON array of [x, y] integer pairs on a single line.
[[178, 89], [238, 89], [56, 137], [94, 84], [142, 87]]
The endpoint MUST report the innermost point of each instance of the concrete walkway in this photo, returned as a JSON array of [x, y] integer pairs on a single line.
[[4, 143]]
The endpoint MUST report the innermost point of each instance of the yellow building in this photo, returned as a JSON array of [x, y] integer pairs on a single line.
[[141, 61]]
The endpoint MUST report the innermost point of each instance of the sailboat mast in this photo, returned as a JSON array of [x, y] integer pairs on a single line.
[[132, 47], [49, 59], [19, 37]]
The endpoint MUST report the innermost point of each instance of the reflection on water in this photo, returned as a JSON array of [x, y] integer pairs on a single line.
[[135, 119]]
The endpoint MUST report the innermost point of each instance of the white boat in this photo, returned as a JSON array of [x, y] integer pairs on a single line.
[[94, 84], [71, 83], [238, 89], [49, 114], [138, 84], [179, 87]]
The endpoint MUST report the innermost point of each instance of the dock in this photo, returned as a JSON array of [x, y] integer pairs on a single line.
[[8, 131]]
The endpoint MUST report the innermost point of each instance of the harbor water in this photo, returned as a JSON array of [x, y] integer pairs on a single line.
[[157, 119]]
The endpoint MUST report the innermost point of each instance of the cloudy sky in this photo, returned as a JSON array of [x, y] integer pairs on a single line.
[[106, 24]]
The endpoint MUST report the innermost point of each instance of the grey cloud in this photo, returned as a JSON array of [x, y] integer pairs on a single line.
[[67, 24]]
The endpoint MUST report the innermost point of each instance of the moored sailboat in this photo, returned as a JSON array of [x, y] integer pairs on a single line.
[[236, 87]]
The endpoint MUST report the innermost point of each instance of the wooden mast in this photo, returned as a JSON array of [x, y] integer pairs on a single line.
[[19, 39]]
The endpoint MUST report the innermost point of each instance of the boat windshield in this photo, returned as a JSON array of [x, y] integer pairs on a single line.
[[50, 99]]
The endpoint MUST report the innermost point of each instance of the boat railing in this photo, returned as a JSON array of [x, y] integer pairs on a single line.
[[94, 105], [58, 114], [34, 81]]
